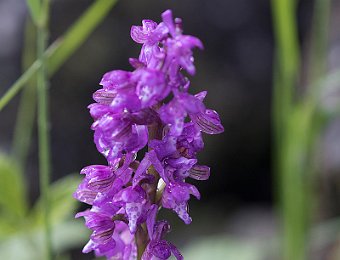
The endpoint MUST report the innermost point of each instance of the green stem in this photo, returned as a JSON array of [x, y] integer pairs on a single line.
[[287, 56], [295, 123], [141, 239], [43, 130], [288, 179]]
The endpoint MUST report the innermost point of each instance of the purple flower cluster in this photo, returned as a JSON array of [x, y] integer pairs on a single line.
[[130, 113]]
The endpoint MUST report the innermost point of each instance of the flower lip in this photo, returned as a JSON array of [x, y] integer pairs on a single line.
[[104, 96], [199, 172]]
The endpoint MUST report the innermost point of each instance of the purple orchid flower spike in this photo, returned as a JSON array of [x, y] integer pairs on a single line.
[[149, 106]]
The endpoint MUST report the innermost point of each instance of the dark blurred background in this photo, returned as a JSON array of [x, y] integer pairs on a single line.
[[236, 68]]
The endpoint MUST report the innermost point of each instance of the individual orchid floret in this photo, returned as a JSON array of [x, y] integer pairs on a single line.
[[151, 86], [179, 46], [208, 120], [158, 248], [104, 179], [103, 227], [135, 204], [175, 112], [99, 178], [176, 196], [177, 156], [116, 133], [151, 107], [120, 246], [150, 34], [125, 248]]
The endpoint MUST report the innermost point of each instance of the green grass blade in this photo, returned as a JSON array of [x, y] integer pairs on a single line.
[[288, 180], [64, 47], [34, 8], [43, 130], [287, 55], [13, 203]]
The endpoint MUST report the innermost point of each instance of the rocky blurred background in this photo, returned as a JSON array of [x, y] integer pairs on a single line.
[[236, 68]]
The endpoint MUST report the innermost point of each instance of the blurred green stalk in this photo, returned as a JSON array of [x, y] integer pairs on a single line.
[[295, 123], [43, 122], [288, 181]]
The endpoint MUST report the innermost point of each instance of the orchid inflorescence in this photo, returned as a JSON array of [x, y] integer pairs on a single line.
[[130, 113]]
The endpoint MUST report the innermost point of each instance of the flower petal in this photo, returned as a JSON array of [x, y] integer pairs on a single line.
[[116, 79], [133, 211], [141, 34], [176, 252], [209, 122], [199, 172], [151, 220], [181, 210], [104, 96]]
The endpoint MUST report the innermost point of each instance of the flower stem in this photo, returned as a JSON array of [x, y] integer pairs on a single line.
[[288, 180], [159, 192], [141, 240], [141, 237], [43, 131]]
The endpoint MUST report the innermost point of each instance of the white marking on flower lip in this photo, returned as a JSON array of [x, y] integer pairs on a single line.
[[133, 210], [160, 184]]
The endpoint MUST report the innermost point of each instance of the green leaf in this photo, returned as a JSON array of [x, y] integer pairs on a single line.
[[29, 244], [22, 246], [69, 234], [63, 47], [63, 205], [35, 9], [13, 205], [6, 228]]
